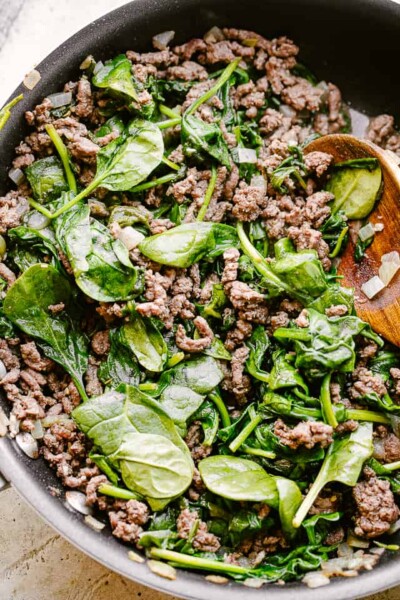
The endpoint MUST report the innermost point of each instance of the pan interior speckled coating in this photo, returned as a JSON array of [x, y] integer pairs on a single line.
[[353, 43]]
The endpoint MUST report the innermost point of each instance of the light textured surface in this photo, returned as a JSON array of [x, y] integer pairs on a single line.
[[36, 563]]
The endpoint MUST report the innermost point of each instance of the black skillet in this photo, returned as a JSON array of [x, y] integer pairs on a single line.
[[354, 43]]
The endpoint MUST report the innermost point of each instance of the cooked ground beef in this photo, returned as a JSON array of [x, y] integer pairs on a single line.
[[307, 434], [375, 506], [203, 540], [386, 445]]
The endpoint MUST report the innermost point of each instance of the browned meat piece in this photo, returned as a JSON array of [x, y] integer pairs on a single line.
[[280, 319], [230, 272], [380, 128], [305, 237], [33, 359], [84, 149], [160, 225], [92, 487], [336, 310], [328, 501], [366, 382], [6, 274], [395, 373], [193, 439], [346, 427], [225, 52], [318, 162], [187, 344], [240, 382], [188, 71], [386, 445], [203, 540], [251, 305], [307, 434], [302, 95], [271, 121], [12, 208], [93, 385], [376, 509], [163, 58], [101, 342], [56, 309], [248, 202], [238, 334], [334, 537], [40, 115], [126, 524], [186, 51], [84, 106], [278, 73]]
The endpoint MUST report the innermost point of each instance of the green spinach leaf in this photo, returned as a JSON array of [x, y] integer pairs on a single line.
[[120, 366], [186, 244], [146, 343], [343, 462], [46, 178], [27, 306], [356, 186]]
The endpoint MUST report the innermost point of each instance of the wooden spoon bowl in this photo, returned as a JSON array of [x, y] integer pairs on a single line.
[[383, 311]]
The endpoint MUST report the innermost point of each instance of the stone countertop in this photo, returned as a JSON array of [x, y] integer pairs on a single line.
[[36, 563]]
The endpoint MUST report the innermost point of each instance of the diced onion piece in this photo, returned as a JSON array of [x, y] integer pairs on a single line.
[[49, 420], [214, 35], [4, 423], [28, 444], [13, 426], [99, 65], [344, 550], [378, 227], [387, 271], [16, 175], [61, 99], [356, 542], [94, 523], [37, 221], [32, 79], [366, 232], [3, 370], [37, 431], [85, 64], [78, 502], [161, 40], [260, 182], [287, 111], [253, 583], [391, 257], [162, 569], [372, 287], [316, 579], [246, 155], [217, 579], [130, 237], [135, 557]]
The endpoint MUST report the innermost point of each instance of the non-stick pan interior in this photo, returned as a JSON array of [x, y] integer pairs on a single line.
[[355, 44]]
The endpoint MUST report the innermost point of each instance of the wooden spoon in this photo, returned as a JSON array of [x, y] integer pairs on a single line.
[[383, 311]]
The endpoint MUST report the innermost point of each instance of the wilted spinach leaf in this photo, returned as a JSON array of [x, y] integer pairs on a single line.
[[200, 139], [185, 244], [140, 440], [46, 178], [26, 305], [120, 366], [146, 343], [101, 264], [356, 185]]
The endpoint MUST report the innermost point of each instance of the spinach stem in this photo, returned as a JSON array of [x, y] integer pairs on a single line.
[[169, 123], [195, 562], [257, 260], [208, 194], [244, 434], [170, 163], [117, 492], [147, 386], [367, 415], [63, 153], [81, 388], [40, 208], [153, 183], [223, 411], [326, 402], [339, 243], [175, 359], [168, 112], [258, 452], [5, 111], [225, 75], [392, 466], [310, 498]]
